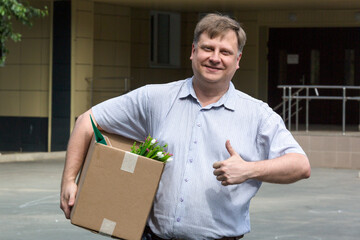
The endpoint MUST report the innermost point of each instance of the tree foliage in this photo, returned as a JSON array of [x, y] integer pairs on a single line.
[[15, 10]]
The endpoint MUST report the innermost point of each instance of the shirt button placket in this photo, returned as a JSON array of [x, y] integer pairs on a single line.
[[192, 151]]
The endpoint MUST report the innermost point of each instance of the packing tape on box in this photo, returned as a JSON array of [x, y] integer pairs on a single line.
[[107, 227], [129, 162]]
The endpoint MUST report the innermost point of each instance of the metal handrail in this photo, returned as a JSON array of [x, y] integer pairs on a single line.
[[282, 103], [125, 89], [288, 97]]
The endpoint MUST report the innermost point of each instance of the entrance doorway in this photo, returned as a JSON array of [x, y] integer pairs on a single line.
[[316, 56]]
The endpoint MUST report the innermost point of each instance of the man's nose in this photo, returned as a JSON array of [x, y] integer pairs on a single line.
[[215, 57]]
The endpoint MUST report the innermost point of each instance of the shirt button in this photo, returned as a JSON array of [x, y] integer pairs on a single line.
[[186, 180], [178, 219], [198, 124], [195, 142], [181, 199], [190, 160]]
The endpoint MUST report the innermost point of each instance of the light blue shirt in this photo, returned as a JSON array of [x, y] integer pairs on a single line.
[[190, 202]]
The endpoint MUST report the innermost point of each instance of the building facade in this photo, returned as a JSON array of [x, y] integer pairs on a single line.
[[86, 51]]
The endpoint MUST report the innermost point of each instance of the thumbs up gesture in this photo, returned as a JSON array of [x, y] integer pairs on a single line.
[[233, 170]]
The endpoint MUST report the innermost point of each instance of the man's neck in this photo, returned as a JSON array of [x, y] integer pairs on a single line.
[[208, 94]]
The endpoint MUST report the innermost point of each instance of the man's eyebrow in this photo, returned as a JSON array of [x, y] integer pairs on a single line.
[[227, 49]]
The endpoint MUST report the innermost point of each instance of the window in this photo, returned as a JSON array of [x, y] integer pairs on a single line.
[[165, 39]]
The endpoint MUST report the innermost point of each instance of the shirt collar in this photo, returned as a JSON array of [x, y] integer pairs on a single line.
[[227, 100]]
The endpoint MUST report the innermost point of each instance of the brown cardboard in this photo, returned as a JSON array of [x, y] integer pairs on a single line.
[[113, 201]]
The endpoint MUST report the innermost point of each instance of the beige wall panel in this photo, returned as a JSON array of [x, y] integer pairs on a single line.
[[111, 9], [140, 13], [13, 56], [30, 77], [34, 77], [111, 53], [140, 55], [83, 102], [110, 78], [249, 59], [84, 24], [9, 103], [190, 17], [109, 85], [145, 76], [122, 54], [97, 26], [115, 28], [99, 97], [140, 31], [44, 80], [246, 81], [252, 33], [31, 51], [104, 52], [33, 103], [246, 16], [10, 77], [46, 25], [34, 31], [82, 56], [83, 51], [45, 51], [85, 5], [109, 71], [110, 26], [82, 72]]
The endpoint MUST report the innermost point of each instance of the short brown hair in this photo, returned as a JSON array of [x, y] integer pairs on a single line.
[[216, 24]]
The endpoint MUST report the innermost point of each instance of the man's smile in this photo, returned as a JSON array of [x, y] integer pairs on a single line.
[[212, 68]]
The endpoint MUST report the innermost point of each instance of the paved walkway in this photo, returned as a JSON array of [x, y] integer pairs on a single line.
[[326, 206]]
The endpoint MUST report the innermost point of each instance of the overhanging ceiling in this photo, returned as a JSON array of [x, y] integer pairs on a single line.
[[194, 5]]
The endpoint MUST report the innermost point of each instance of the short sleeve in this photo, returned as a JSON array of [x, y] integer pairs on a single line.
[[125, 115], [275, 139]]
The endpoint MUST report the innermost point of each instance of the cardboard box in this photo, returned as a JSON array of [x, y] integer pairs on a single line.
[[115, 189]]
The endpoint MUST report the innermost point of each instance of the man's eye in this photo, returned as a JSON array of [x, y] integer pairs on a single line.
[[226, 53], [208, 49]]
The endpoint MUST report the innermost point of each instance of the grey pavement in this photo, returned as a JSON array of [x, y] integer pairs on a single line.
[[326, 206]]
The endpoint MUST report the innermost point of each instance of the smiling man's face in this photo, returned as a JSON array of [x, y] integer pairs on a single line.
[[215, 61]]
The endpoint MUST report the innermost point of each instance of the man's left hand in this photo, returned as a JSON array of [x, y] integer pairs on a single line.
[[233, 170]]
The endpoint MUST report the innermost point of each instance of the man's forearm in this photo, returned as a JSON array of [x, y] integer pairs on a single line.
[[77, 147], [286, 169]]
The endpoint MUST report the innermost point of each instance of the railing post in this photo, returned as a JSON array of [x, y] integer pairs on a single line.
[[297, 112], [344, 111], [289, 110], [307, 109], [284, 102], [126, 84]]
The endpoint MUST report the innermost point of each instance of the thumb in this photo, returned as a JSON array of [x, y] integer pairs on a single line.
[[230, 148], [71, 200]]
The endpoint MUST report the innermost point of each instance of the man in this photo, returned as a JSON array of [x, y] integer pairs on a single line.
[[225, 143]]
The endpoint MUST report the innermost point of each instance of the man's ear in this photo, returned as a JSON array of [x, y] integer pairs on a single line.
[[192, 51], [238, 60]]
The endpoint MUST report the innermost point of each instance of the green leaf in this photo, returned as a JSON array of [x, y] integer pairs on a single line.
[[98, 136]]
